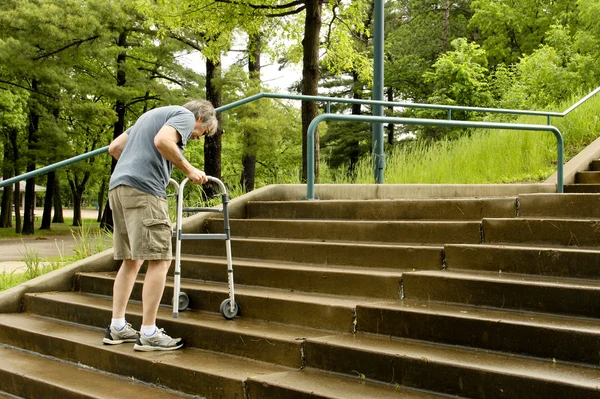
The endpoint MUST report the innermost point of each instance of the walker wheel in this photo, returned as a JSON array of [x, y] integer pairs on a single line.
[[184, 301], [227, 311]]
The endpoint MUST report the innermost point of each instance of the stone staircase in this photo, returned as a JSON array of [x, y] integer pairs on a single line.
[[586, 181], [493, 297]]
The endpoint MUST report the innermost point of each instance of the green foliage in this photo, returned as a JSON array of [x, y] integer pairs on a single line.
[[551, 74], [486, 156], [415, 36], [345, 42], [461, 77], [271, 129], [344, 141], [512, 28]]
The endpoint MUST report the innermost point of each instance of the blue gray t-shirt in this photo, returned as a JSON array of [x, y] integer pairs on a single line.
[[141, 166]]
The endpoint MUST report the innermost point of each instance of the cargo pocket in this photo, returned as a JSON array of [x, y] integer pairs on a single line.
[[158, 235]]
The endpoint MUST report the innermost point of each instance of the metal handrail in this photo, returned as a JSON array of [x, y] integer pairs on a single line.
[[404, 104], [328, 100], [310, 158]]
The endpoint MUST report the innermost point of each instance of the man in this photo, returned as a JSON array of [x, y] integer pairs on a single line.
[[145, 156]]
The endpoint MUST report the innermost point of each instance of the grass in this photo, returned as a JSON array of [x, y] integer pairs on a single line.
[[34, 267], [89, 240], [56, 229], [486, 156]]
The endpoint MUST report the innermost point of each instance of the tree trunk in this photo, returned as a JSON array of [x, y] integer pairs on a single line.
[[77, 198], [47, 215], [77, 190], [7, 172], [6, 212], [119, 126], [446, 25], [17, 202], [16, 191], [247, 179], [28, 211], [101, 194], [354, 143], [390, 126], [310, 78], [212, 145], [58, 210], [248, 171]]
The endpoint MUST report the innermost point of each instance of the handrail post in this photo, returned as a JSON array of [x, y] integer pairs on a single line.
[[378, 64], [310, 158]]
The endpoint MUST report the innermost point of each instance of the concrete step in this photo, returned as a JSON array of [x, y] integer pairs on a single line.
[[565, 232], [328, 312], [555, 295], [192, 371], [542, 261], [449, 369], [29, 375], [587, 177], [5, 395], [595, 164], [525, 333], [253, 339], [351, 230], [311, 383], [567, 206], [400, 209], [324, 252], [327, 279], [582, 188]]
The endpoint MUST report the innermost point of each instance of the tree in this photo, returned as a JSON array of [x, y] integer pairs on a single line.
[[250, 136], [509, 29], [12, 123], [417, 33]]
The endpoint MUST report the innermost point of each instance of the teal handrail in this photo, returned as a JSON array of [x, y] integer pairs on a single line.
[[310, 143], [388, 104], [52, 167], [328, 100]]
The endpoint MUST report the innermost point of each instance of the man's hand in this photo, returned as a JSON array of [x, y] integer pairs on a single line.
[[197, 176]]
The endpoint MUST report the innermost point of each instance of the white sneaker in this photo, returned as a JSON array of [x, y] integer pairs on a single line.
[[113, 336], [160, 341]]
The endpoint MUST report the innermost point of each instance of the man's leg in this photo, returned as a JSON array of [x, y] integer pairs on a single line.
[[124, 285], [154, 285], [151, 338], [119, 331]]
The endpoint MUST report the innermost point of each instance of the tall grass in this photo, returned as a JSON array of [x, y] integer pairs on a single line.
[[34, 267], [88, 241], [486, 155]]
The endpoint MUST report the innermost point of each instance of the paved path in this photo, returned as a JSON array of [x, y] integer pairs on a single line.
[[13, 250]]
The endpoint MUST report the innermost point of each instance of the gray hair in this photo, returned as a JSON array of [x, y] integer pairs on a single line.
[[204, 109]]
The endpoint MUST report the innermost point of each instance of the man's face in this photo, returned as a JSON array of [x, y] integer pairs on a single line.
[[199, 130]]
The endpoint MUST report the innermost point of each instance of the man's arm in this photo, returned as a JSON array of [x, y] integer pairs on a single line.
[[166, 143], [116, 147]]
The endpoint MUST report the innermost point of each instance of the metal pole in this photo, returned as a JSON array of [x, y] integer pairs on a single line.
[[377, 135]]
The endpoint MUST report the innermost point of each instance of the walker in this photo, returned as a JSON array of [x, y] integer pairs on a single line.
[[229, 308]]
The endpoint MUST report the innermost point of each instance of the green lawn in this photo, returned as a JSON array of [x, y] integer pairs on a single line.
[[89, 239], [56, 229]]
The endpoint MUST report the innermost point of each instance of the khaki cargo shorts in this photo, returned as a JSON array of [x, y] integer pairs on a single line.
[[142, 228]]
